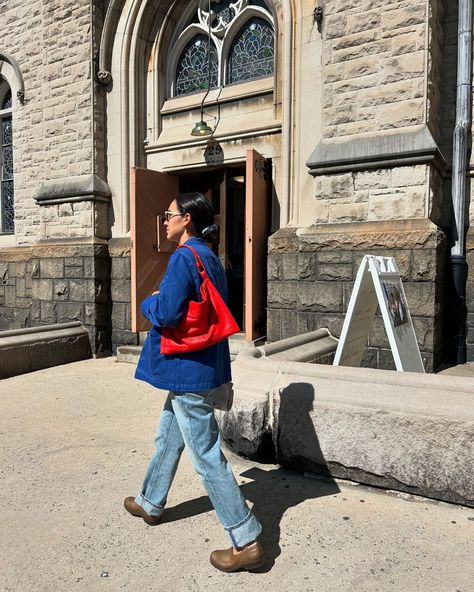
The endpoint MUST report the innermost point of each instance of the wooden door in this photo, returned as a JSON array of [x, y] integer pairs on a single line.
[[257, 197], [151, 193]]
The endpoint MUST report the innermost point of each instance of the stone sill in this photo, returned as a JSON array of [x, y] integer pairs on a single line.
[[219, 96]]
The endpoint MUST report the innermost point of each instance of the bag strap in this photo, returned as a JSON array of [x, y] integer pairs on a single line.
[[199, 264]]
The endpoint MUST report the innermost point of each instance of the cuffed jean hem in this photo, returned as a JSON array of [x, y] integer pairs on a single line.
[[245, 532], [149, 508]]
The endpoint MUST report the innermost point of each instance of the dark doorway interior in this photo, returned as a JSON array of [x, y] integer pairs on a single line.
[[225, 188]]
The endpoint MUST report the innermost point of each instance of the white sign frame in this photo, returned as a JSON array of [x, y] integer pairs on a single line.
[[378, 282]]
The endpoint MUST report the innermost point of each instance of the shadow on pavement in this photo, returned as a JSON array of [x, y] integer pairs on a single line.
[[273, 492]]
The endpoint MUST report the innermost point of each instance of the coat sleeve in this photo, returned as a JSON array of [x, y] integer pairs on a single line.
[[176, 289]]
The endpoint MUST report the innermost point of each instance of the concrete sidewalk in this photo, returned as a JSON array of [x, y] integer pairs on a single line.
[[76, 439]]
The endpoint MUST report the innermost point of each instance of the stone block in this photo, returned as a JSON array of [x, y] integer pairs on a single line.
[[120, 291], [386, 207], [61, 290], [378, 334], [118, 271], [320, 296], [124, 338], [410, 175], [363, 21], [402, 257], [48, 312], [334, 186], [424, 265], [307, 266], [364, 66], [273, 324], [385, 360], [354, 40], [403, 67], [425, 333], [74, 272], [121, 316], [351, 212], [380, 178], [282, 294], [321, 211], [77, 291], [421, 299], [310, 321], [10, 295], [402, 17], [338, 272], [35, 311], [290, 266], [21, 287], [70, 311], [274, 267], [23, 302], [20, 269], [21, 318], [330, 257], [52, 268], [42, 289], [288, 323], [4, 272], [369, 358]]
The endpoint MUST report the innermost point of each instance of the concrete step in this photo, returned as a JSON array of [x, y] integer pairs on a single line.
[[131, 353]]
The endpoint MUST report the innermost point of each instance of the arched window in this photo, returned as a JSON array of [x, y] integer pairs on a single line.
[[241, 48], [252, 53], [7, 218], [192, 71]]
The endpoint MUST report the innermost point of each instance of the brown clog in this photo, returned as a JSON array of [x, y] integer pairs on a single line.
[[134, 509], [228, 560]]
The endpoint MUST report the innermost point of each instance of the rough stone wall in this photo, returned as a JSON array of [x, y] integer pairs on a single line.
[[119, 250], [374, 66], [15, 288], [52, 131], [51, 284], [382, 194], [311, 274]]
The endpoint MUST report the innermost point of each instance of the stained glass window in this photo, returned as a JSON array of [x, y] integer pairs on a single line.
[[252, 52], [7, 219], [192, 71], [222, 10]]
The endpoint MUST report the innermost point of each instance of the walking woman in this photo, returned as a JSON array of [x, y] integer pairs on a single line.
[[187, 419]]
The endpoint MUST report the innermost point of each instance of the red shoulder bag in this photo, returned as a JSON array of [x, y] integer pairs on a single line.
[[205, 323]]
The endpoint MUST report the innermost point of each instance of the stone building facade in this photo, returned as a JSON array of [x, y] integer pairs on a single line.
[[354, 119]]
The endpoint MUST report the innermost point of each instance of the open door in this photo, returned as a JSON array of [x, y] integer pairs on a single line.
[[150, 195], [257, 197]]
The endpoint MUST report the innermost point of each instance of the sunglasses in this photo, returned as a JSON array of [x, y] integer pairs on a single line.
[[169, 214]]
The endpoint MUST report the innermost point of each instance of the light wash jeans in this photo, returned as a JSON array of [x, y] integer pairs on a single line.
[[188, 419]]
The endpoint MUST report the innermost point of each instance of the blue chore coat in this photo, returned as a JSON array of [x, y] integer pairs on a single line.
[[192, 371]]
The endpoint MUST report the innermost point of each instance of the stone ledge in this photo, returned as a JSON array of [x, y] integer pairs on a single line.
[[411, 147], [308, 347], [35, 348], [403, 431], [72, 189]]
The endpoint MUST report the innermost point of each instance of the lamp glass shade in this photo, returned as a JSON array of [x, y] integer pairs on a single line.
[[201, 129]]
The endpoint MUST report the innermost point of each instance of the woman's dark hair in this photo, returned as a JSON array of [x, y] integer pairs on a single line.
[[201, 211]]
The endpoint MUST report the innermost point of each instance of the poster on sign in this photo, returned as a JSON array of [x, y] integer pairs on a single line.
[[378, 282]]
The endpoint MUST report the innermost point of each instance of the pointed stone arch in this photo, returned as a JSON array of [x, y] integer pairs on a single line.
[[132, 61]]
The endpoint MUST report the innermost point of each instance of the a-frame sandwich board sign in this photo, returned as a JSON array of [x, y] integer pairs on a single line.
[[378, 282]]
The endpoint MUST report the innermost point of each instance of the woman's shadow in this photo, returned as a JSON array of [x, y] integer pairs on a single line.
[[274, 491]]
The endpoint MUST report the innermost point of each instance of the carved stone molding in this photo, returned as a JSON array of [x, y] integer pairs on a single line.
[[104, 77]]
